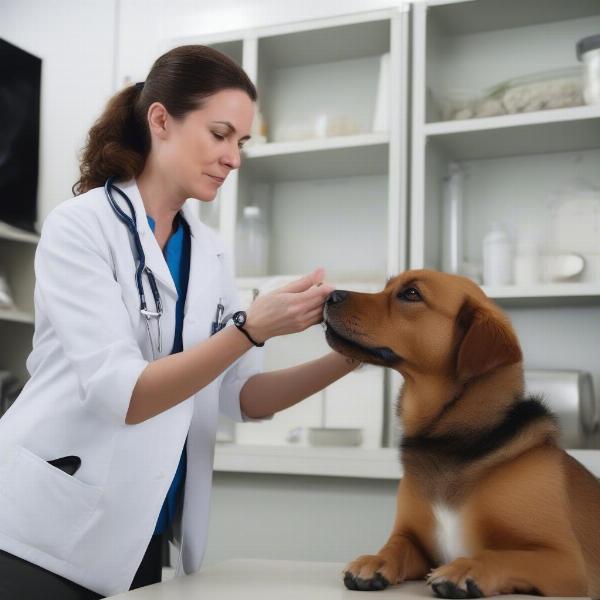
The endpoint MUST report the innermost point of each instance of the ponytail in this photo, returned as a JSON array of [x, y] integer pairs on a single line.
[[119, 142]]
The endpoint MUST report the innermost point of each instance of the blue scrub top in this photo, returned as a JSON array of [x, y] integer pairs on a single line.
[[177, 255]]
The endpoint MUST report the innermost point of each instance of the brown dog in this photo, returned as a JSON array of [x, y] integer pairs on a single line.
[[488, 499]]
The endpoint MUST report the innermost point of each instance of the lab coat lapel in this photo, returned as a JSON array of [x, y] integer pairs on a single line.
[[204, 287], [154, 256]]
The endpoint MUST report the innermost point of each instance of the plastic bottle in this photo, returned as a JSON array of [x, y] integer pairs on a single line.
[[497, 257], [252, 243], [588, 51]]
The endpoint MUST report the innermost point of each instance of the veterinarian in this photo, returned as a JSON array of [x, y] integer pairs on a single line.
[[110, 445]]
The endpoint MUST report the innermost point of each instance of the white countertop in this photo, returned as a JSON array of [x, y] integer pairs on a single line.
[[273, 580], [380, 463]]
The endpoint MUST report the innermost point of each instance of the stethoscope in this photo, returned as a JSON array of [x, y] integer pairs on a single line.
[[131, 224]]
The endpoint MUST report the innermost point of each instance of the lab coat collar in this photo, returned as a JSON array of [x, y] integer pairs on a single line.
[[154, 256]]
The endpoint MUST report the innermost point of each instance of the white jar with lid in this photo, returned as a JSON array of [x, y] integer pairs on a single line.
[[497, 257], [588, 51]]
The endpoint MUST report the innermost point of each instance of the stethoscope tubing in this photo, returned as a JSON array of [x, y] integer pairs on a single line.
[[141, 267]]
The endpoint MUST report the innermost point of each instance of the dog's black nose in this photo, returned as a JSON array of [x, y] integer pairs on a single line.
[[337, 296]]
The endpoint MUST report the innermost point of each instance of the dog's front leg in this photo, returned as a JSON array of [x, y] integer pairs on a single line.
[[402, 557], [540, 571]]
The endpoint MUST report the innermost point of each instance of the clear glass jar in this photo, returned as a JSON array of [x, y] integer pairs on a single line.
[[252, 252]]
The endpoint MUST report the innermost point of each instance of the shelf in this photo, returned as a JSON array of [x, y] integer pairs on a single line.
[[559, 130], [342, 156], [460, 18], [292, 460], [333, 462], [326, 44], [8, 232], [548, 293], [16, 316]]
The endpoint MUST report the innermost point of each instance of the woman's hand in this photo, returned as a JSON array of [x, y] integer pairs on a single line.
[[289, 309]]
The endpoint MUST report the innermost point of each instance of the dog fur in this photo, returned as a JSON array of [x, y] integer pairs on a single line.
[[488, 503]]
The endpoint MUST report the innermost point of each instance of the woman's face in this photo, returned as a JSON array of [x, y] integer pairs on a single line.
[[199, 150]]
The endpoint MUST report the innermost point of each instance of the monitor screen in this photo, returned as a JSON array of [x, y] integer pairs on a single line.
[[20, 78]]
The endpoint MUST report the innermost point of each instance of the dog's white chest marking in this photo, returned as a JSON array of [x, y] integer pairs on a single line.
[[449, 533]]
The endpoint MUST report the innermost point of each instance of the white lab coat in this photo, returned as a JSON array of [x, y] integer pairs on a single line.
[[89, 348]]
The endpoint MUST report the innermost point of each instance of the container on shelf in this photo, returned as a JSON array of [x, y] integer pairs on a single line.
[[574, 225], [497, 257], [558, 88], [259, 128], [335, 436], [588, 51], [327, 125], [452, 258], [252, 256]]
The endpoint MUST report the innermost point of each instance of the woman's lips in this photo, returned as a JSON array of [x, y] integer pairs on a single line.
[[217, 179]]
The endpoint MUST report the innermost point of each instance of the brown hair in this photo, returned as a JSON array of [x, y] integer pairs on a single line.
[[119, 141]]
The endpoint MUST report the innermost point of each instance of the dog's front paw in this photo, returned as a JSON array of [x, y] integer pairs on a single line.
[[370, 573], [462, 578]]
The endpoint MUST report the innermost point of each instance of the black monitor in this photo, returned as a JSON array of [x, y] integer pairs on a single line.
[[20, 79]]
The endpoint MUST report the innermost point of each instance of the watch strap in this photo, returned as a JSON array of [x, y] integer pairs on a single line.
[[257, 344]]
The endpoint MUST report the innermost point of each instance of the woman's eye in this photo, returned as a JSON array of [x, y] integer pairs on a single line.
[[410, 294], [219, 137]]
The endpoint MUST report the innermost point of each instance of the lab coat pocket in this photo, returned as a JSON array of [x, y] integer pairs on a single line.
[[43, 507]]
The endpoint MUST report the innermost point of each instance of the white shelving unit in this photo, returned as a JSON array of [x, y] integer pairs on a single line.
[[474, 45], [17, 250], [513, 165], [332, 185], [292, 66]]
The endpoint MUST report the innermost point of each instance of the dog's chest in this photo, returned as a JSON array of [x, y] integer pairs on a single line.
[[449, 533]]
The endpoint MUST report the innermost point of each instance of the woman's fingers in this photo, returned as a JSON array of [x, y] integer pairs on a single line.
[[314, 317], [316, 294], [304, 283]]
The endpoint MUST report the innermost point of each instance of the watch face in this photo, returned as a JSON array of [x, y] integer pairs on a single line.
[[239, 318]]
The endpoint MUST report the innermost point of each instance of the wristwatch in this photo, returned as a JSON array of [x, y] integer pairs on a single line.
[[239, 320]]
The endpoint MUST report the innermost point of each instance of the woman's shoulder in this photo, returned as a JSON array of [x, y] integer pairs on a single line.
[[79, 215], [88, 202]]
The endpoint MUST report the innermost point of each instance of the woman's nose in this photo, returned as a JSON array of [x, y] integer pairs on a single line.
[[233, 158]]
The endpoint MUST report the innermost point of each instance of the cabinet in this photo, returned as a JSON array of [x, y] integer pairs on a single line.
[[514, 161], [331, 182], [17, 250]]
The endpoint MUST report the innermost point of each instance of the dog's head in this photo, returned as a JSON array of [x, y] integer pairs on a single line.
[[423, 322]]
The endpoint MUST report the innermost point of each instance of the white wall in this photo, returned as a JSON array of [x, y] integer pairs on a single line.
[[192, 18]]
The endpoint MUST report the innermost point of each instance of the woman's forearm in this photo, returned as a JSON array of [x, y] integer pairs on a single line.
[[171, 379], [267, 393]]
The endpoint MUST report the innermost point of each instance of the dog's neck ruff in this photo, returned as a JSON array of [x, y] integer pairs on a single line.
[[466, 447]]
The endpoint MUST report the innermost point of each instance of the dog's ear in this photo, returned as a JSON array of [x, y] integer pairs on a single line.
[[486, 341]]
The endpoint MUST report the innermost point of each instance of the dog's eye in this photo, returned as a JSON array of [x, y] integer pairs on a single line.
[[410, 294]]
